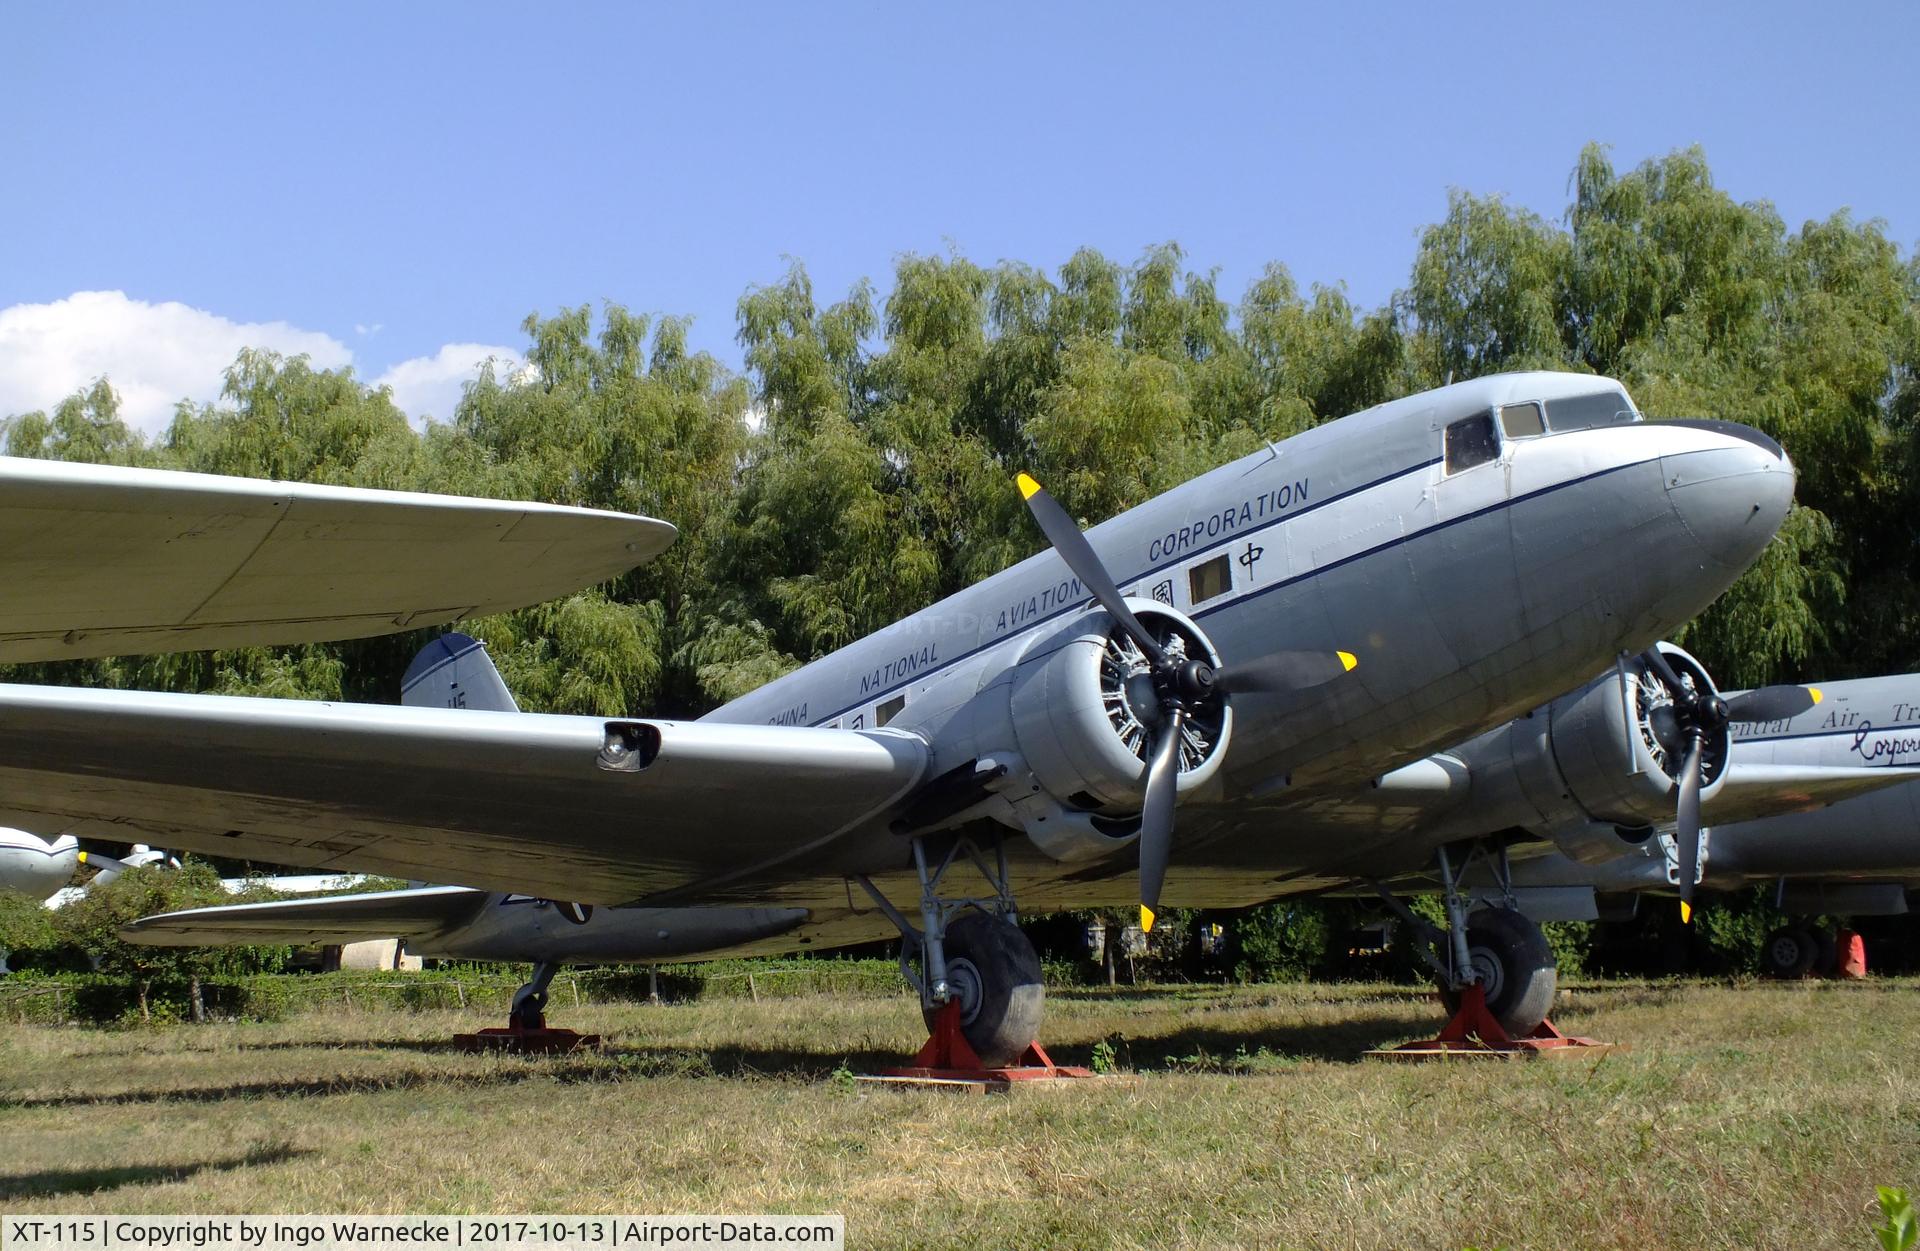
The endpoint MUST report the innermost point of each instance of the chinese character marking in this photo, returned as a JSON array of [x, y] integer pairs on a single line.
[[1251, 557]]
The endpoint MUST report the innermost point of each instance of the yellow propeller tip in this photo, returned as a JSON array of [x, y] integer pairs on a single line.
[[83, 857], [1348, 660], [1815, 692], [1146, 919], [1686, 913], [1028, 487]]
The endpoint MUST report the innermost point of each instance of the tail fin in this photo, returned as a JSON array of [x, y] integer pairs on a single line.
[[454, 671]]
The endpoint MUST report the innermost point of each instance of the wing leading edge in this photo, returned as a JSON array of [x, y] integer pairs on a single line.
[[501, 801], [100, 560], [419, 913]]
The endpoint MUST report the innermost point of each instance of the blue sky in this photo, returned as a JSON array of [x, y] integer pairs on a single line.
[[396, 186]]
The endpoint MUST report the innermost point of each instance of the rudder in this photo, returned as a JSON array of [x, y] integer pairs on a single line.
[[454, 671]]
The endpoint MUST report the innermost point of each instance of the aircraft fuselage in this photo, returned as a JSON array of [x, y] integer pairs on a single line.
[[1470, 592]]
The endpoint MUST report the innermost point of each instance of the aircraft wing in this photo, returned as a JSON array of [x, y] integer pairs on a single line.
[[101, 561], [504, 801], [1752, 791], [418, 913]]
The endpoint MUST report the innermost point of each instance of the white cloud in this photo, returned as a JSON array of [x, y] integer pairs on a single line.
[[153, 354], [429, 386]]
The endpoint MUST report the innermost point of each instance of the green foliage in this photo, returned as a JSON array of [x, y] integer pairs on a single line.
[[28, 937], [1731, 931], [91, 925], [1900, 1227], [1570, 942], [1281, 942]]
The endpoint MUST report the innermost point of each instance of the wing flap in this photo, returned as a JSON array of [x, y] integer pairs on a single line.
[[502, 801], [100, 560], [419, 913]]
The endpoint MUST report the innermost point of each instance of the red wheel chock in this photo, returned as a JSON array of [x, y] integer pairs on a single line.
[[527, 1040], [947, 1060], [1473, 1031]]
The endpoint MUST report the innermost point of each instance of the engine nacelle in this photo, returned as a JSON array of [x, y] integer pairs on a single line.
[[1085, 716], [1588, 770], [33, 866]]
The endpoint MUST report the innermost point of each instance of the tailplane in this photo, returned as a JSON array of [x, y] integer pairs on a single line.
[[454, 671]]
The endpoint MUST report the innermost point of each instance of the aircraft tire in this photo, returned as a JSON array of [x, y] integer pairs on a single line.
[[996, 973], [1826, 951], [1516, 965], [1789, 953]]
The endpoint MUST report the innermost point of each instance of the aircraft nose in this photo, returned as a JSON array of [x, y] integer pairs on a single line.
[[1731, 485]]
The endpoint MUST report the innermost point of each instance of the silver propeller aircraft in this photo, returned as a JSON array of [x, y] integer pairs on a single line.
[[1509, 856], [1823, 852], [1256, 651]]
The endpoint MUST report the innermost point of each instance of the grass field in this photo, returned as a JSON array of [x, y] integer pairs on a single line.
[[1742, 1116]]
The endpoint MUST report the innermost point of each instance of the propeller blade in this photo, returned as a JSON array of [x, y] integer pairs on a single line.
[[1073, 548], [1285, 671], [1156, 815], [1772, 703], [1686, 834], [103, 864]]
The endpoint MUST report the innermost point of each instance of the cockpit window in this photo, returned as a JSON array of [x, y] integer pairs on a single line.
[[1519, 421], [1471, 442], [1583, 412]]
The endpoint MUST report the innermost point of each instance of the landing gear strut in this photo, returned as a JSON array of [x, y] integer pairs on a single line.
[[1495, 969], [526, 1031], [1810, 950], [529, 1010], [981, 990]]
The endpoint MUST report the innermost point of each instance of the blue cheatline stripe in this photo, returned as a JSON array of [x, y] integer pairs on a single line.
[[880, 695]]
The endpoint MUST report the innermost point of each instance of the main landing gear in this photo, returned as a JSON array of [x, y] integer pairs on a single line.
[[526, 1031], [1495, 970], [981, 991], [1809, 950]]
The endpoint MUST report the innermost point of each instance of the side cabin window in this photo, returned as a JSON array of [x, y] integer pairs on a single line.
[[1583, 412], [890, 709], [1471, 441], [1521, 421], [1209, 579]]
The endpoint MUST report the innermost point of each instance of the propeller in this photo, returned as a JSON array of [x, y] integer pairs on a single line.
[[108, 867], [1180, 682], [1696, 714]]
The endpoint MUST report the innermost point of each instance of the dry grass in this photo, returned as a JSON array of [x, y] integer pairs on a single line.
[[1751, 1116]]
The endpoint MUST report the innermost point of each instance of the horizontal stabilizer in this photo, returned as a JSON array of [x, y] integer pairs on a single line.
[[417, 913], [103, 561], [1752, 791]]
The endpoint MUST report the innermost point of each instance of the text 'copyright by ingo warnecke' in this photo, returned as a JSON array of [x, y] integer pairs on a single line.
[[415, 1233]]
